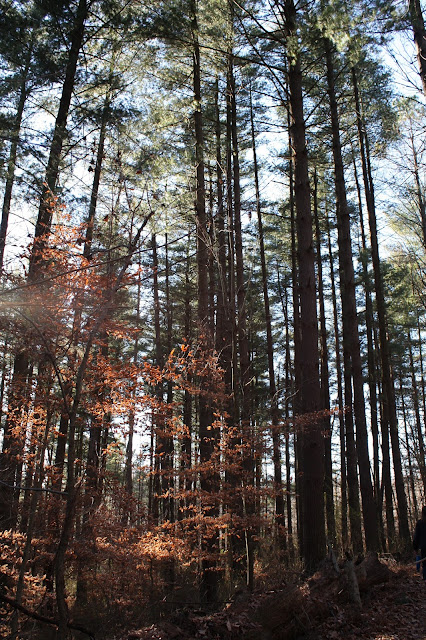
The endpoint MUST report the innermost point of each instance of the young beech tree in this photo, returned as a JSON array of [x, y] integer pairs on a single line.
[[68, 270], [42, 229]]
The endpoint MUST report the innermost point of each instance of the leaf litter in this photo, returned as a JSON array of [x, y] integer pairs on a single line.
[[395, 610]]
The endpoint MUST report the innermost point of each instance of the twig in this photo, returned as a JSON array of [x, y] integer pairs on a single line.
[[40, 618], [22, 488], [421, 560]]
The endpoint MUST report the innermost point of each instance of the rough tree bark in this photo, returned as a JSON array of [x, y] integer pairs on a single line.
[[312, 442], [389, 404], [344, 462], [418, 25], [325, 386], [276, 441], [208, 481], [351, 343], [11, 163]]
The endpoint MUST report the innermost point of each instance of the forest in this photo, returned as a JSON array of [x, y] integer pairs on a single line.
[[212, 305]]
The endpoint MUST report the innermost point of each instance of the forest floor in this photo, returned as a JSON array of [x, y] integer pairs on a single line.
[[393, 610]]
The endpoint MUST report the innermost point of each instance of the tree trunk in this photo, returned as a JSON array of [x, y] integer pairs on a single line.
[[59, 559], [296, 389], [411, 483], [186, 444], [420, 198], [158, 413], [371, 362], [312, 441], [419, 434], [351, 343], [417, 22], [128, 471], [30, 528], [325, 386], [5, 373], [422, 377], [93, 483], [208, 481], [167, 462], [96, 179], [344, 463], [47, 202], [245, 366], [287, 402], [387, 478], [11, 164], [13, 439], [276, 444], [389, 405]]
